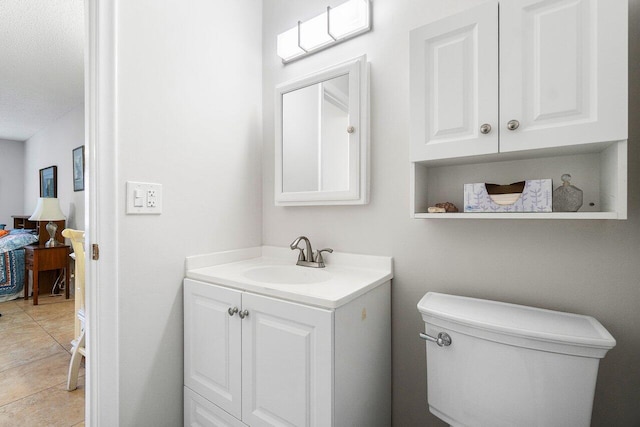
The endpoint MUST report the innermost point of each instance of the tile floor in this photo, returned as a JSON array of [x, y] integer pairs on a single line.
[[35, 349]]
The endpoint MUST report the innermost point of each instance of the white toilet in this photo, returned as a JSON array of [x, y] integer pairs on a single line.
[[496, 364]]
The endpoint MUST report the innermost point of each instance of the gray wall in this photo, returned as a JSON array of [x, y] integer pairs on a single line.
[[53, 146], [20, 162], [189, 115], [11, 182], [589, 267]]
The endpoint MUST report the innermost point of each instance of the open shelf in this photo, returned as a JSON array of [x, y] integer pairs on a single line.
[[600, 171], [516, 215]]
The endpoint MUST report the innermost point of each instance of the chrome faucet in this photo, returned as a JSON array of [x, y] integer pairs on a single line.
[[308, 258], [302, 256]]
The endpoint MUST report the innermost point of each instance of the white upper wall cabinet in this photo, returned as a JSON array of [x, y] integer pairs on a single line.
[[562, 78], [521, 89]]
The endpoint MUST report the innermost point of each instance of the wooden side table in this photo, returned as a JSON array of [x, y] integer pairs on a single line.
[[40, 258]]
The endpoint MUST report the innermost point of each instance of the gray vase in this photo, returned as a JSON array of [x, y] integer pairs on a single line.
[[567, 198]]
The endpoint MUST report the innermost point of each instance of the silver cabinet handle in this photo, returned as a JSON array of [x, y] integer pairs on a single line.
[[485, 128], [351, 129], [243, 314], [232, 311], [513, 124], [443, 340]]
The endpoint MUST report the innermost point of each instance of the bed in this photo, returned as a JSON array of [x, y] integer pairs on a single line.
[[12, 263]]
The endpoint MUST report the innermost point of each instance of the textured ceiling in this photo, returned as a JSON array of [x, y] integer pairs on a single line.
[[41, 63]]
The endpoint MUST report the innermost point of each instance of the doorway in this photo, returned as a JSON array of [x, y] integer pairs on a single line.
[[42, 111]]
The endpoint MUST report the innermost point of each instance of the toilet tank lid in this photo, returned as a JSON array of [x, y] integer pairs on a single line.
[[517, 320]]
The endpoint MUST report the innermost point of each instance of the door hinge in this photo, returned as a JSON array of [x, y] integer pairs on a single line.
[[95, 252]]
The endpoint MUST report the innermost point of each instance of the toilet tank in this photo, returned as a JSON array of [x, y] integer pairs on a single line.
[[510, 365]]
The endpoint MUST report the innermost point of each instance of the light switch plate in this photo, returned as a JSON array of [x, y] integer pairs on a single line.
[[149, 193]]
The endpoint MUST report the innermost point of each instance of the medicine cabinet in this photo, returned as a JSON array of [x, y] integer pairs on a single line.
[[322, 137]]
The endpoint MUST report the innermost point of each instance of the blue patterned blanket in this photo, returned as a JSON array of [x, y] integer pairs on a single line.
[[11, 272], [12, 264]]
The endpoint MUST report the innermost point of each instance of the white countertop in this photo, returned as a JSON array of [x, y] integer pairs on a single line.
[[351, 275]]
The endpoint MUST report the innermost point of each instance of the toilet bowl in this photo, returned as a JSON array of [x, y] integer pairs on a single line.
[[496, 364]]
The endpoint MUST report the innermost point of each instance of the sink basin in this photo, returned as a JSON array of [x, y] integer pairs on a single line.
[[287, 274], [272, 271]]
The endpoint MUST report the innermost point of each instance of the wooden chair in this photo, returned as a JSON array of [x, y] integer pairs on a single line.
[[78, 350]]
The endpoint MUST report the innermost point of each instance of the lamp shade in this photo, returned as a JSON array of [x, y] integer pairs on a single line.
[[47, 209]]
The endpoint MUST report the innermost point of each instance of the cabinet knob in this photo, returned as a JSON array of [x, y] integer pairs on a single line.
[[513, 124], [351, 129], [243, 314], [232, 310], [485, 128]]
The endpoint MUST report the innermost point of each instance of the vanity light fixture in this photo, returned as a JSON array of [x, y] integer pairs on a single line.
[[336, 25]]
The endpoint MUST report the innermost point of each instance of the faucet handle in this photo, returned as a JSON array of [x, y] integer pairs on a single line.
[[318, 258], [300, 254]]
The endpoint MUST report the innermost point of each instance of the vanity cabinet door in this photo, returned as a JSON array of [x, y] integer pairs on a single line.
[[454, 85], [563, 72], [287, 361], [212, 344]]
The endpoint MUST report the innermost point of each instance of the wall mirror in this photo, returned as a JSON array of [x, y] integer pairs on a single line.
[[322, 137]]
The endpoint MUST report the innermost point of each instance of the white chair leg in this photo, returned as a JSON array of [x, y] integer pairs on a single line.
[[74, 365]]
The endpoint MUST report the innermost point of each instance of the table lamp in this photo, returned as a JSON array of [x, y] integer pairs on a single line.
[[48, 209]]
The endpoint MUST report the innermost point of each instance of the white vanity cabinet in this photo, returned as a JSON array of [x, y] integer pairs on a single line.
[[273, 362], [520, 80]]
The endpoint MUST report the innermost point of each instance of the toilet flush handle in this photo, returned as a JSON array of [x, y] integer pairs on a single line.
[[443, 340]]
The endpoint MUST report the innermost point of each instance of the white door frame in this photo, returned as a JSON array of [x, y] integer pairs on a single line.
[[101, 207]]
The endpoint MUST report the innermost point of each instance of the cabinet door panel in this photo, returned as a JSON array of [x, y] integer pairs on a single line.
[[454, 85], [199, 412], [212, 340], [287, 364], [560, 74]]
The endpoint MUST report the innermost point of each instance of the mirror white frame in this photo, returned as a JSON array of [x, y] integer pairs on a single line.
[[358, 109]]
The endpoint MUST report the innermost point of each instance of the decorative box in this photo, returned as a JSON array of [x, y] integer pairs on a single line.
[[533, 195]]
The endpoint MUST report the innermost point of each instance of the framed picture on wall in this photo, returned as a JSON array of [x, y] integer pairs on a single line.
[[78, 168], [49, 182]]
